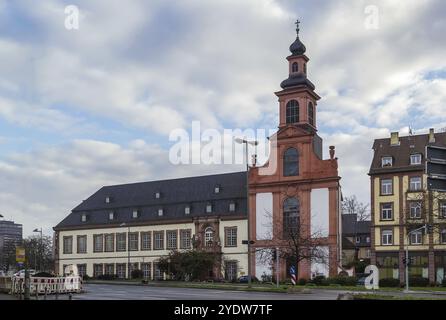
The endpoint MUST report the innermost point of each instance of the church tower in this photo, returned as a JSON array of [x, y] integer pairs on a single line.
[[296, 191], [298, 99]]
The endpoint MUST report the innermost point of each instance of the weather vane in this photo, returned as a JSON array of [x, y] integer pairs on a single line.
[[297, 23]]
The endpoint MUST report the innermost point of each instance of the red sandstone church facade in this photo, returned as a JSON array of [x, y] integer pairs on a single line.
[[296, 181]]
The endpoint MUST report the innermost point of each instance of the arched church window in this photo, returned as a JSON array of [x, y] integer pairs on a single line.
[[295, 67], [208, 237], [291, 213], [311, 113], [292, 112], [291, 163]]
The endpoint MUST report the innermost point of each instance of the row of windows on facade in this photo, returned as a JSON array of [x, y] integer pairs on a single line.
[[415, 159], [147, 268], [416, 238], [415, 184], [415, 210], [293, 110], [159, 195], [135, 241], [187, 211]]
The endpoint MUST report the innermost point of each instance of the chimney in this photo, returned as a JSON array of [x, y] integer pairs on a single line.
[[431, 135], [395, 139]]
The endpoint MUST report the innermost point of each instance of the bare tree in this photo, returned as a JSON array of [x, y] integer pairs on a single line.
[[296, 242], [351, 205], [425, 208]]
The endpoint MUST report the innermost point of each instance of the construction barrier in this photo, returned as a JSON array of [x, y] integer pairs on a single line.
[[40, 285]]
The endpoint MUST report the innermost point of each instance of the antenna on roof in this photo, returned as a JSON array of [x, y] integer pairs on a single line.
[[411, 131]]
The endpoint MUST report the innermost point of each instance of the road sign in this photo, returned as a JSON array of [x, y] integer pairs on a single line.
[[293, 274], [436, 168], [20, 255]]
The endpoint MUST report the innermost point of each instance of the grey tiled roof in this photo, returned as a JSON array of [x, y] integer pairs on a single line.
[[176, 194], [401, 154], [350, 225]]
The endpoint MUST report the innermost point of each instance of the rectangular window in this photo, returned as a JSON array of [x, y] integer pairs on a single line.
[[133, 241], [416, 238], [231, 270], [232, 207], [415, 159], [158, 240], [415, 184], [133, 267], [443, 236], [82, 269], [387, 211], [387, 187], [111, 215], [120, 270], [185, 239], [187, 210], [231, 237], [443, 209], [358, 240], [135, 214], [110, 269], [68, 245], [121, 244], [172, 239], [387, 237], [160, 212], [98, 243], [98, 269], [157, 272], [81, 244], [109, 242], [146, 269], [386, 162], [208, 208], [415, 210], [146, 241]]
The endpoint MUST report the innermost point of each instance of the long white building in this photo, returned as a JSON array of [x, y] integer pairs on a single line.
[[126, 227]]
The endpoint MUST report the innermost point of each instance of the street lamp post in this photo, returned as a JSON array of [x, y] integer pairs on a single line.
[[246, 143], [41, 247], [128, 248]]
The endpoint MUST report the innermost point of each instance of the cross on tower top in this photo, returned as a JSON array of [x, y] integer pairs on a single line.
[[297, 23]]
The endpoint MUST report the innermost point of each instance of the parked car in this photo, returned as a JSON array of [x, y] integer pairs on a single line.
[[244, 279], [21, 273]]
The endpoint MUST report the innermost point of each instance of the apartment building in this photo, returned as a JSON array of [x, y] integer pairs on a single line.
[[402, 203]]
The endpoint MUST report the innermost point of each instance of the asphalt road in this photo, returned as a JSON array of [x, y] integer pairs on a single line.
[[131, 292], [134, 292]]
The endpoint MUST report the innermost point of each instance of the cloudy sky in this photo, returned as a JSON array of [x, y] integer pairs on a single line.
[[84, 108]]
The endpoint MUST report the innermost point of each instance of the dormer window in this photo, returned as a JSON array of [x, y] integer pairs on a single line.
[[160, 212], [208, 208], [387, 162], [135, 214], [295, 67], [217, 189], [107, 199], [187, 210], [415, 159], [232, 207], [84, 217], [158, 195], [111, 215]]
